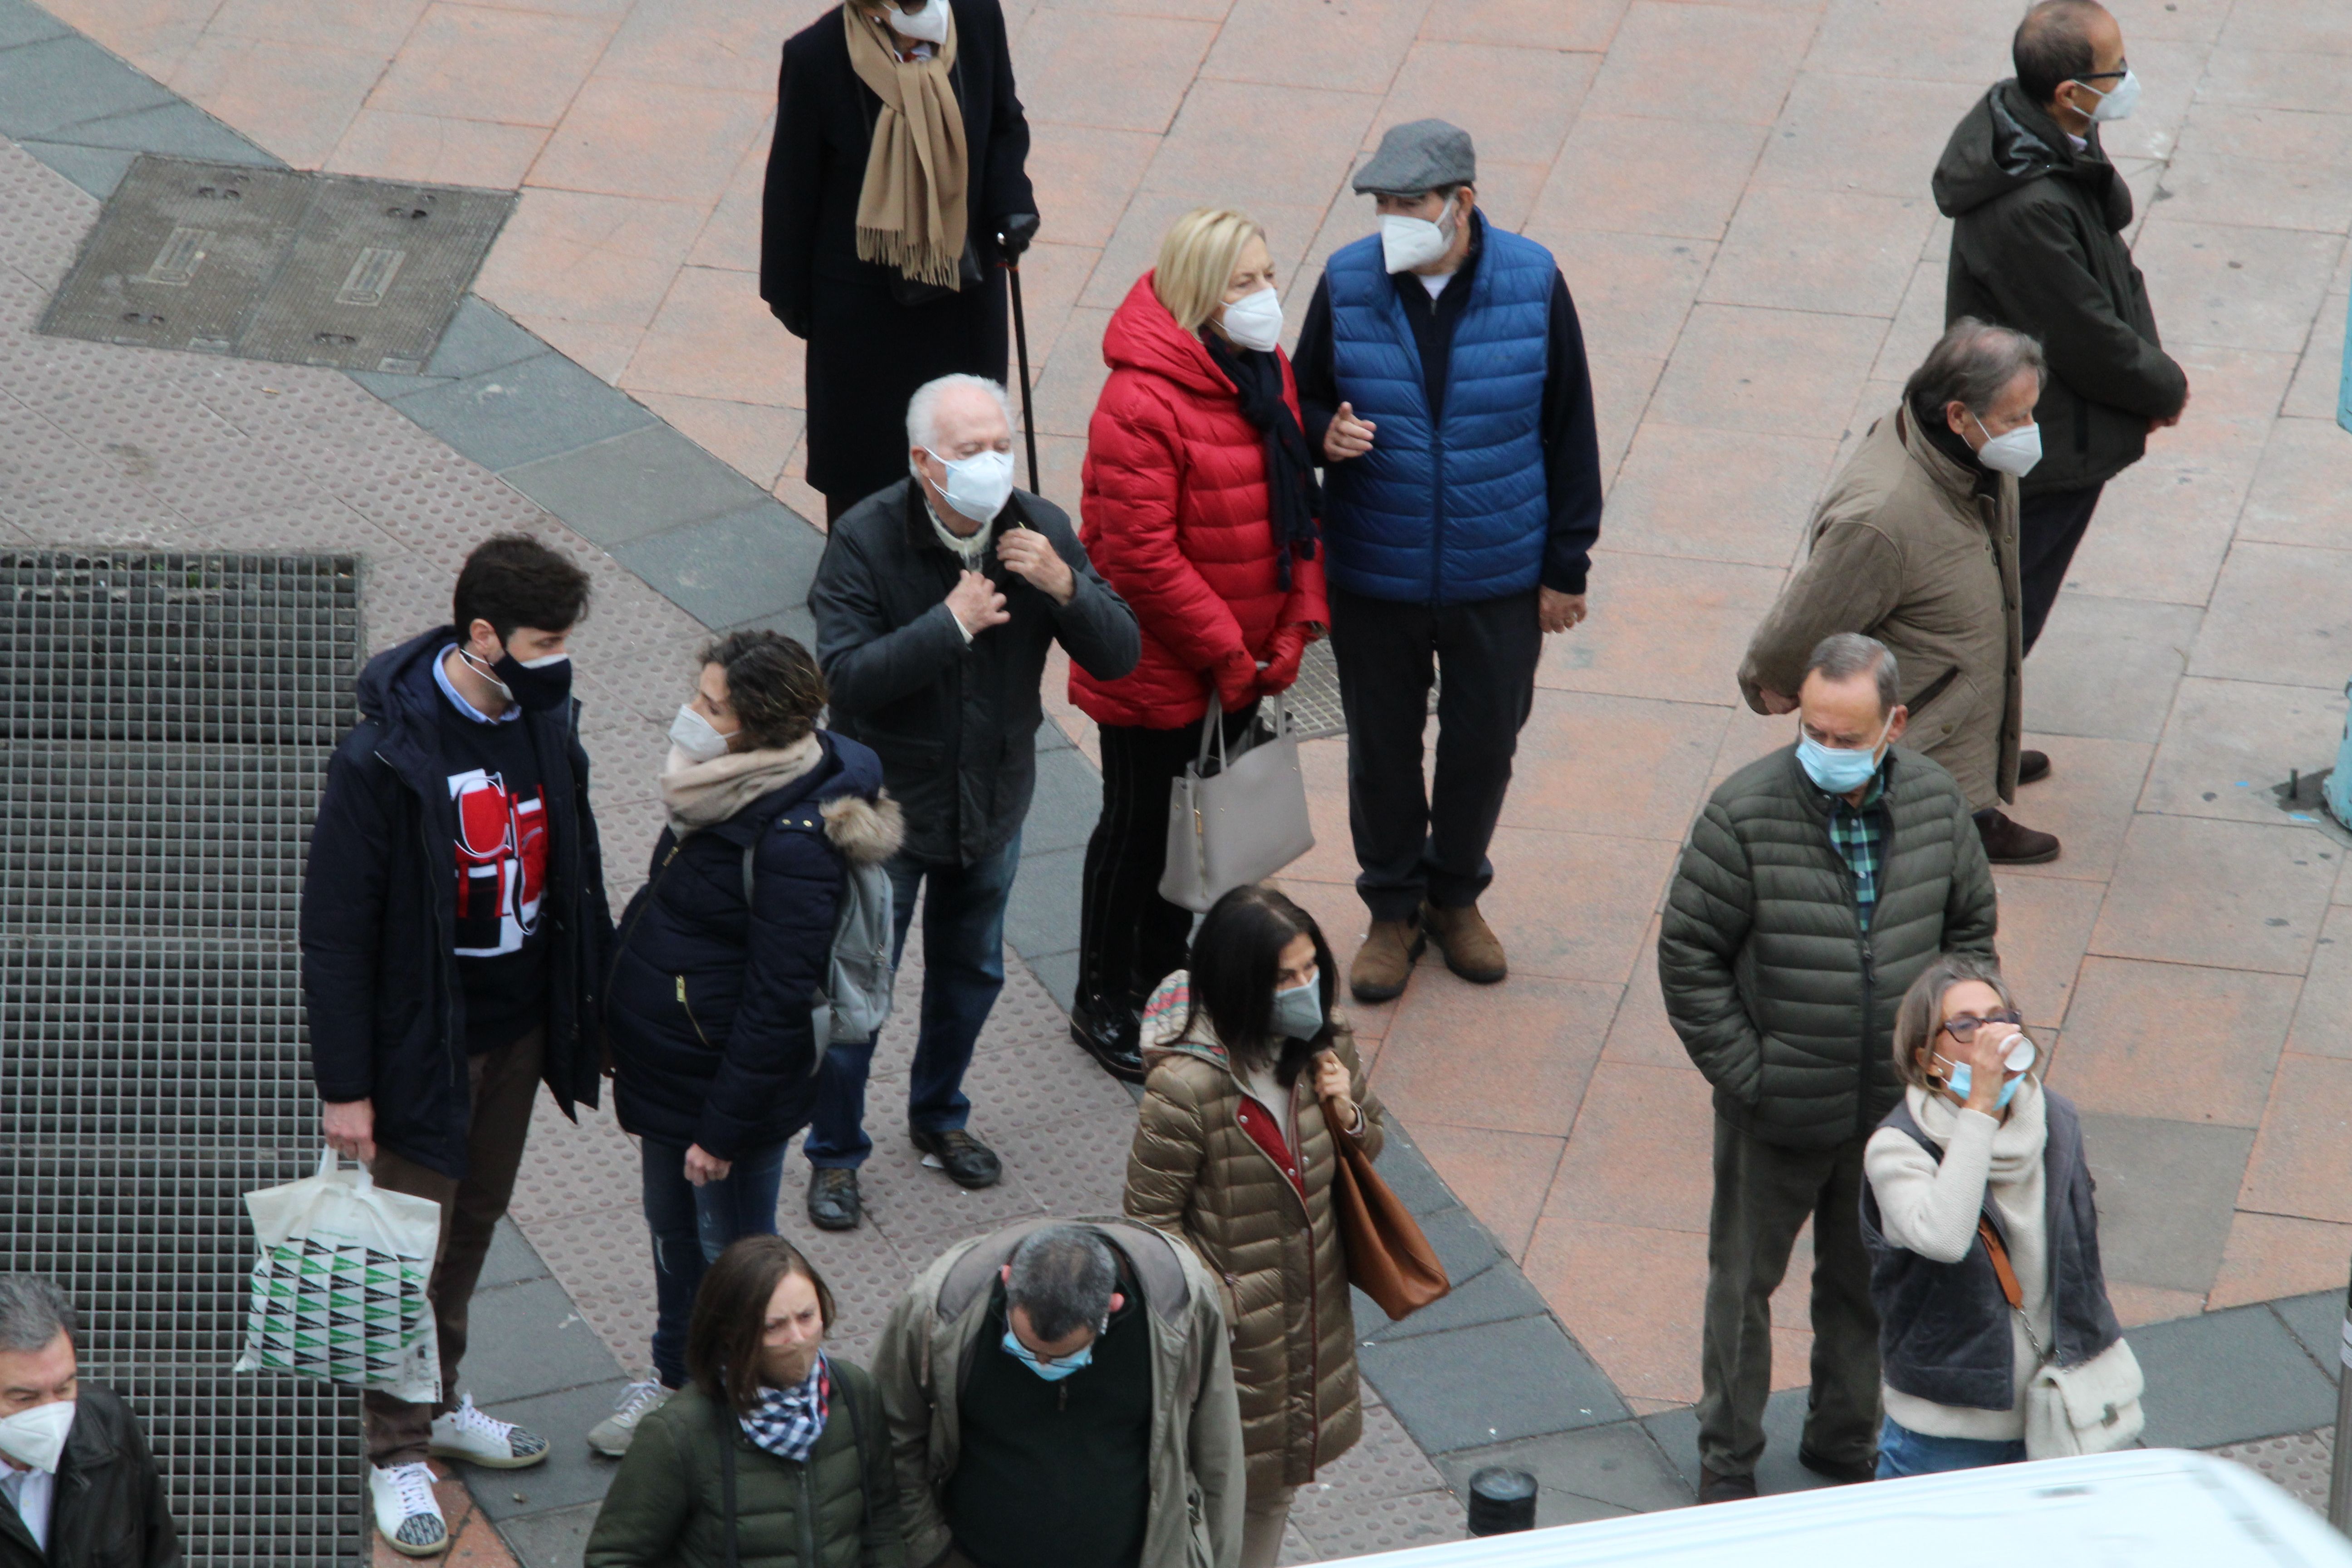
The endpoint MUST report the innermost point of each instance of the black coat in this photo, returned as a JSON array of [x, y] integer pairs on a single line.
[[386, 1007], [955, 722], [2038, 245], [866, 352], [708, 1006], [109, 1510]]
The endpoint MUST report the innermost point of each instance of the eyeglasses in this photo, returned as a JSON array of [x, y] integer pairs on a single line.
[[2093, 76], [1965, 1029]]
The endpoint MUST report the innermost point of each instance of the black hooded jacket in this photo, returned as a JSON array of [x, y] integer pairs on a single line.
[[380, 979], [2037, 244], [109, 1510]]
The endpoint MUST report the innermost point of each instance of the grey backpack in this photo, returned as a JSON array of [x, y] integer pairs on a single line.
[[855, 1000]]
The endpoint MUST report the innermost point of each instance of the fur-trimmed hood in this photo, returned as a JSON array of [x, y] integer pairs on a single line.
[[867, 832]]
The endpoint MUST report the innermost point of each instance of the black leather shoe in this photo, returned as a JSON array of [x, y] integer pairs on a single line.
[[969, 1162], [1716, 1488], [2033, 767], [833, 1200], [1112, 1035], [1845, 1474], [2007, 843]]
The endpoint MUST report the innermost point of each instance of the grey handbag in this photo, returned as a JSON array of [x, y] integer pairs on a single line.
[[1238, 821]]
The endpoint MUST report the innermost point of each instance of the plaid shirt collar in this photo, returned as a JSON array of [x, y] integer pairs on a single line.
[[787, 1421], [1859, 834]]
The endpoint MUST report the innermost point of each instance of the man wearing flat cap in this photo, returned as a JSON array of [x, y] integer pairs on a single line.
[[1441, 371]]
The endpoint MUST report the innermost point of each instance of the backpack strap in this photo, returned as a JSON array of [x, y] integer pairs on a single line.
[[721, 1414]]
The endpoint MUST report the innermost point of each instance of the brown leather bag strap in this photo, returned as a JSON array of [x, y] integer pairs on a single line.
[[2000, 1265]]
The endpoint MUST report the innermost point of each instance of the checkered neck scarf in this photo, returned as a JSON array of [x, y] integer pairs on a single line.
[[1859, 832], [787, 1421]]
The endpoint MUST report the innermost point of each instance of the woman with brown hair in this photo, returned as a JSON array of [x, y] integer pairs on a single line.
[[776, 1452]]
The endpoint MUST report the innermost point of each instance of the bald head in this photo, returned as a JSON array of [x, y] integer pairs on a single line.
[[2065, 49]]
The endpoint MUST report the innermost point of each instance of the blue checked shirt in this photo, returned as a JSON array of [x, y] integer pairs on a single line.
[[1859, 832]]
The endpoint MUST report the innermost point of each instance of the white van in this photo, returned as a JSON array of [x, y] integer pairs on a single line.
[[2157, 1508]]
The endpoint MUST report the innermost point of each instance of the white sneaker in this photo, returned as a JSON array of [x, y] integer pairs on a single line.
[[406, 1514], [612, 1436], [466, 1434]]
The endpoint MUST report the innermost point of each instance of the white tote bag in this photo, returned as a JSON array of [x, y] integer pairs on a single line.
[[2092, 1409], [339, 1292], [1238, 821]]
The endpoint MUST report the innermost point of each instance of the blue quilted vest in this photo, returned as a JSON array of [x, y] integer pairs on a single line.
[[1459, 513]]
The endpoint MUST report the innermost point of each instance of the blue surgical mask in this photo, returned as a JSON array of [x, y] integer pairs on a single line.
[[1053, 1369], [2021, 1056], [1835, 769], [1298, 1012]]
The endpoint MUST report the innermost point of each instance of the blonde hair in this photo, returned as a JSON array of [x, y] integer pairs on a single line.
[[1197, 260]]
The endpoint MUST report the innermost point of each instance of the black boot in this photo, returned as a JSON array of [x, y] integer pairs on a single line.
[[1111, 1033], [833, 1200]]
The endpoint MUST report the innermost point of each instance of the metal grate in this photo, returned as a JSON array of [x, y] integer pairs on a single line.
[[163, 724], [1315, 696]]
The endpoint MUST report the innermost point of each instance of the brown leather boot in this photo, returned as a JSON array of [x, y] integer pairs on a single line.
[[1385, 960], [2007, 843], [1472, 949]]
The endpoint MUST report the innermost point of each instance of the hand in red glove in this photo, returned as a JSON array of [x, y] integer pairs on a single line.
[[1236, 680], [1289, 645]]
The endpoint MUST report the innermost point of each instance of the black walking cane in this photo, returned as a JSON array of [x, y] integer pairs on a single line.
[[1021, 346]]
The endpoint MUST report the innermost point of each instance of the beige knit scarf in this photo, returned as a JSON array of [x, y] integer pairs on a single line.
[[910, 211], [698, 795]]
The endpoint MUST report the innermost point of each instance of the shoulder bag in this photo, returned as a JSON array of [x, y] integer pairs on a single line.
[[1389, 1259], [1239, 821], [2091, 1408]]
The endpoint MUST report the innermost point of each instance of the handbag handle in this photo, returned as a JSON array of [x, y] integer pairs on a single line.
[[329, 1166], [1211, 729]]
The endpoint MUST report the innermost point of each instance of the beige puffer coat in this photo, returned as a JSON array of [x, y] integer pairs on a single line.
[[1194, 1172]]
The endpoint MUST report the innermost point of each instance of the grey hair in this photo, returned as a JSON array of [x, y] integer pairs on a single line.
[[1922, 1011], [1971, 364], [33, 1311], [922, 409], [1842, 656], [1062, 1276]]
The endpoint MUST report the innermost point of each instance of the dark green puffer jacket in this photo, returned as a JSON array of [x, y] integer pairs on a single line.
[[667, 1510], [1781, 1001]]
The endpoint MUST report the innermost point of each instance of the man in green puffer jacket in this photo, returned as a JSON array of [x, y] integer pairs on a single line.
[[1815, 884]]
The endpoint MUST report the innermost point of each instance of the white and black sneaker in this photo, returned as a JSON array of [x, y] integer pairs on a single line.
[[466, 1434], [407, 1515], [612, 1436]]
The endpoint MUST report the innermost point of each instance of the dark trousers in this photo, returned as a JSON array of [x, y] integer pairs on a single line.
[[963, 971], [1413, 841], [691, 1226], [2049, 527], [1130, 938], [1763, 1196], [500, 1087]]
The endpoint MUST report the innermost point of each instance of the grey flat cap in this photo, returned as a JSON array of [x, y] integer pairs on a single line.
[[1419, 155]]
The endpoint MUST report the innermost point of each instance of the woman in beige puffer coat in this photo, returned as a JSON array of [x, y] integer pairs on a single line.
[[1251, 1081]]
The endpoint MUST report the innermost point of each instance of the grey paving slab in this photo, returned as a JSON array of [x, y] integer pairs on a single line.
[[557, 1539], [795, 622], [22, 23], [1474, 1387], [63, 80], [1676, 1432], [2317, 1323], [1592, 1474], [96, 170], [2106, 668], [632, 485], [1491, 1296], [534, 1342], [389, 385], [1058, 973], [1068, 802], [1408, 1175], [2168, 1192], [1042, 916], [177, 129], [1465, 1246], [480, 337], [512, 1258], [572, 1476], [525, 411], [2228, 1377], [726, 570]]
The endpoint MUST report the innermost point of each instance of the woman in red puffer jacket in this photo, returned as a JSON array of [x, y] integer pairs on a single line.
[[1200, 508]]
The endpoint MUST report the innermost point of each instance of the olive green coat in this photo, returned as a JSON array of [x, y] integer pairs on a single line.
[[1908, 548], [840, 1510], [1195, 1171]]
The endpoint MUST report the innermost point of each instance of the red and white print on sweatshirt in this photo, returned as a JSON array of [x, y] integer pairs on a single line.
[[501, 864]]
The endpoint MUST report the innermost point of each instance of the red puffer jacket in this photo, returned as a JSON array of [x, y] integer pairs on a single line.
[[1174, 517]]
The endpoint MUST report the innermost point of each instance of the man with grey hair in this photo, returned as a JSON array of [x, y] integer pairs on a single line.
[[1063, 1393], [1818, 882], [1915, 544], [935, 604], [79, 1487]]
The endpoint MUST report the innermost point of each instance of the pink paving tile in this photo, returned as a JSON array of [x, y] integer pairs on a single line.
[[2275, 78], [1501, 1177], [2297, 25], [2232, 286], [2162, 531], [1288, 43], [730, 235], [1622, 387], [294, 100], [1661, 628], [1920, 40], [1814, 145], [1584, 25], [1618, 766], [2269, 1256], [470, 62], [1775, 373], [1631, 291], [1134, 245], [2045, 928], [2191, 21], [1649, 68], [1070, 382], [2312, 394], [655, 140], [2272, 192], [1596, 933], [1512, 1058], [1918, 326], [1052, 276], [715, 338], [1633, 1298], [1836, 251], [590, 258], [1717, 495], [1083, 177], [373, 29], [1642, 176], [2169, 1040], [153, 34], [435, 150], [2299, 489], [1642, 1150], [2225, 742], [2279, 613], [2322, 1016], [1110, 71], [1515, 101], [1217, 149], [752, 439], [2138, 1304], [1640, 1035], [1749, 735], [2224, 894], [734, 45], [2302, 1163], [600, 348]]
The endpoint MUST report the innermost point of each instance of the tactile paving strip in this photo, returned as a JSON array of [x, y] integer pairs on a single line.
[[2300, 1463]]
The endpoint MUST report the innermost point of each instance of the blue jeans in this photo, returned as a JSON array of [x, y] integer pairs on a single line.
[[1902, 1452], [963, 971], [691, 1226]]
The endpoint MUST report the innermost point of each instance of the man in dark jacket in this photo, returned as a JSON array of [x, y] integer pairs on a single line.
[[935, 604], [78, 1487], [891, 283], [454, 936], [2038, 216], [1816, 884], [1442, 375]]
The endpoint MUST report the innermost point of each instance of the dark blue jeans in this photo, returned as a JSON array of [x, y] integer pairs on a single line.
[[963, 972], [1902, 1452], [691, 1226]]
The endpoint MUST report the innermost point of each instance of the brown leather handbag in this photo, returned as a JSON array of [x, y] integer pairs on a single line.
[[1389, 1259]]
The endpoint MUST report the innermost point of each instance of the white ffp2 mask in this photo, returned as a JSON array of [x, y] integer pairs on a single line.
[[2117, 101], [1409, 242], [37, 1437], [1255, 320], [979, 485], [697, 736], [2012, 452], [928, 25]]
